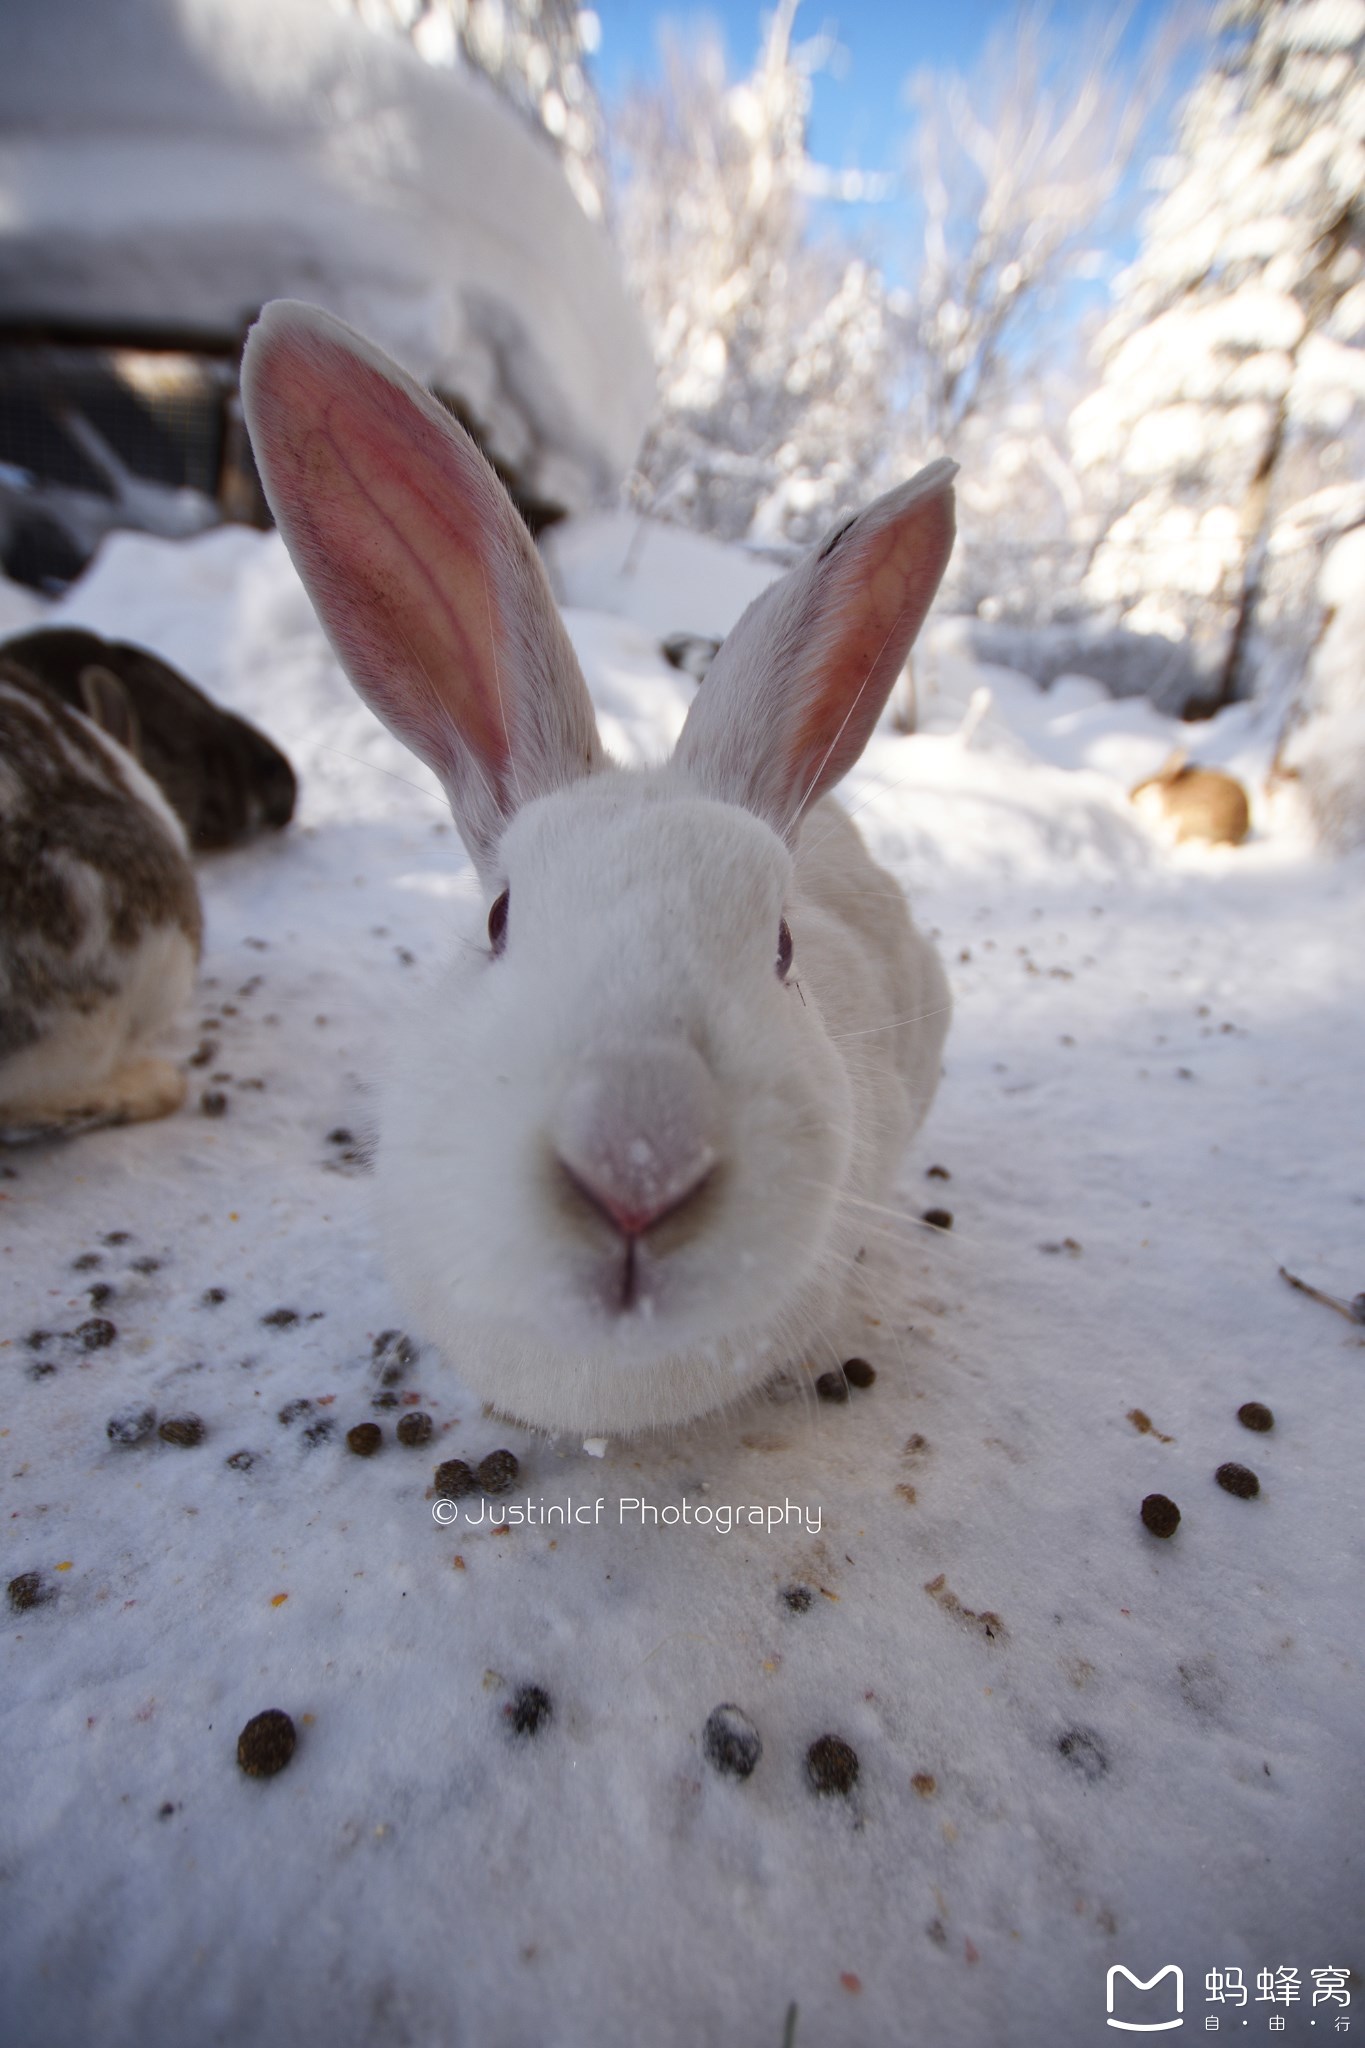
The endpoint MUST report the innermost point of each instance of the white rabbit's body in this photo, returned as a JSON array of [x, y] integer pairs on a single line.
[[820, 1084], [630, 1149]]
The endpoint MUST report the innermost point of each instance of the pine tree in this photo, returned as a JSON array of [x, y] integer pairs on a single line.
[[1233, 384]]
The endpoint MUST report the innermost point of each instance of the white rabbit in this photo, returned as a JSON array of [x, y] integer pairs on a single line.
[[100, 924], [628, 1151]]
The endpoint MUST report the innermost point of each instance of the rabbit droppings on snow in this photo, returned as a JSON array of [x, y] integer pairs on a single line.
[[630, 1147], [100, 923]]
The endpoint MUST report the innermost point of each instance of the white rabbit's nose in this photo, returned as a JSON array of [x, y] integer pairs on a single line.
[[638, 1134]]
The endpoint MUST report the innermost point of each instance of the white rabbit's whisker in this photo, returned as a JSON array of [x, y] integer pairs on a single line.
[[839, 729], [497, 685], [893, 1024], [375, 768]]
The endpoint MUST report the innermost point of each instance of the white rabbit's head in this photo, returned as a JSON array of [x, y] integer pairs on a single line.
[[612, 1149]]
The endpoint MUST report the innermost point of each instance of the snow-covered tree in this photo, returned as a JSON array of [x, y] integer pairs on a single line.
[[1233, 385], [774, 355], [1017, 170], [533, 52]]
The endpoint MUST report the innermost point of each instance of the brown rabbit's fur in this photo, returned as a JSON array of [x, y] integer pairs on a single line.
[[100, 922], [1198, 803]]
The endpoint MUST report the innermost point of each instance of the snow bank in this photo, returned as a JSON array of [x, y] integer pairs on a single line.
[[174, 163], [1326, 750]]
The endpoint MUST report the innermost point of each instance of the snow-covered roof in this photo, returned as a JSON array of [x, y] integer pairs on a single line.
[[174, 163]]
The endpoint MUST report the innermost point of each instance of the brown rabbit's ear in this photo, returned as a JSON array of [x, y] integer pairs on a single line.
[[791, 699], [419, 567], [107, 704]]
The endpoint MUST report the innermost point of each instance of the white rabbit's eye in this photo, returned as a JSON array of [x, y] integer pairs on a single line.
[[784, 949], [497, 923]]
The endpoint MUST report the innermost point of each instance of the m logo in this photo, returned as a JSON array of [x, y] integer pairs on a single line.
[[1146, 2026]]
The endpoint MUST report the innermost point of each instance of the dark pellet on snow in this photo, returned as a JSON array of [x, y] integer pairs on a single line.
[[385, 1398], [96, 1334], [364, 1439], [30, 1589], [341, 1136], [88, 1262], [1160, 1515], [212, 1296], [454, 1479], [146, 1265], [415, 1430], [1255, 1415], [266, 1743], [203, 1053], [242, 1461], [36, 1339], [831, 1765], [1238, 1479], [101, 1293], [937, 1173], [393, 1341], [497, 1473], [797, 1598], [1084, 1752], [213, 1102], [858, 1372], [280, 1318], [130, 1426], [183, 1430], [292, 1410], [832, 1386], [942, 1219], [529, 1710], [731, 1742], [118, 1237], [394, 1352], [319, 1433]]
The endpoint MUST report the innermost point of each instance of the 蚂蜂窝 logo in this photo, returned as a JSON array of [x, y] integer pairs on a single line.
[[1146, 1984]]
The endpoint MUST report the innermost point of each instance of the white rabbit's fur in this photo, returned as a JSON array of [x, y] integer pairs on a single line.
[[821, 1082], [632, 1034]]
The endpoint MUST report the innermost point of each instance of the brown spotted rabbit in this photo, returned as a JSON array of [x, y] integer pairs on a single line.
[[221, 776], [100, 923]]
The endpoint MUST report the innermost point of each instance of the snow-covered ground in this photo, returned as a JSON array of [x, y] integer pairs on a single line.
[[1079, 1745]]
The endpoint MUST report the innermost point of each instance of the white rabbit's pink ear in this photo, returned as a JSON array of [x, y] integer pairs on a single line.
[[791, 699], [419, 567]]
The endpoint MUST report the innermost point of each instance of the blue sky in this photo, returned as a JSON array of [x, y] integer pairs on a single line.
[[860, 116]]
